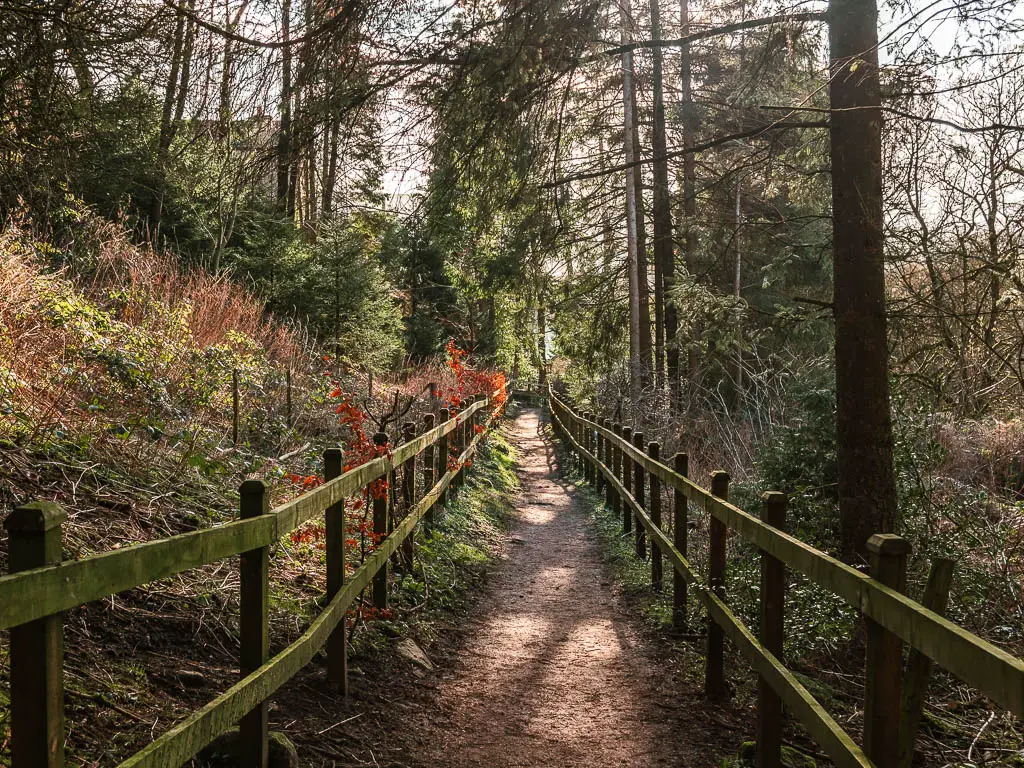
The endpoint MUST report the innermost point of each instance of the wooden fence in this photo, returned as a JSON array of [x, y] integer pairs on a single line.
[[631, 476], [41, 587]]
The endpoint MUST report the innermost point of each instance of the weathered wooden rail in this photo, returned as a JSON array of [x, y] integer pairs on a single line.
[[614, 459], [41, 587]]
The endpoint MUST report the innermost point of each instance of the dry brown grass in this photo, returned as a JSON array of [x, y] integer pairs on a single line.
[[135, 333]]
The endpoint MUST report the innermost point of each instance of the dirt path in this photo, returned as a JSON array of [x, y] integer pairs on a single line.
[[553, 672]]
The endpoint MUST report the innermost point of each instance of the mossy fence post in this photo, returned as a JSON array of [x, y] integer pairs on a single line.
[[639, 481], [919, 666], [337, 643], [460, 445], [288, 397], [37, 648], [768, 750], [883, 681], [408, 493], [253, 626], [680, 524], [380, 530], [627, 481], [577, 436], [714, 670], [617, 503], [234, 406], [588, 469], [429, 462], [657, 577], [442, 454], [606, 459]]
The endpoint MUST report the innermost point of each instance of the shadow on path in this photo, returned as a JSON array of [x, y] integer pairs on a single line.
[[552, 671]]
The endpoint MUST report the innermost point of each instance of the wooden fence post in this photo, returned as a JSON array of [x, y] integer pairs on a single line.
[[884, 669], [680, 522], [768, 750], [627, 481], [606, 461], [442, 455], [429, 464], [592, 447], [578, 437], [588, 469], [288, 396], [654, 451], [337, 650], [639, 534], [460, 474], [714, 670], [919, 666], [380, 531], [408, 494], [37, 648], [598, 456], [253, 625], [617, 468], [573, 429], [234, 406]]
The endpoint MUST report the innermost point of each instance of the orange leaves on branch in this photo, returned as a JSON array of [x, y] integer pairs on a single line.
[[307, 482], [314, 535], [379, 489], [471, 382]]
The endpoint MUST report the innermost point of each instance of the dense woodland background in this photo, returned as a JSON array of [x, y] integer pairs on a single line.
[[327, 193]]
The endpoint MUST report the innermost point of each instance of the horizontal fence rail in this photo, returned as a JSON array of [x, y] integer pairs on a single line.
[[619, 466], [41, 588]]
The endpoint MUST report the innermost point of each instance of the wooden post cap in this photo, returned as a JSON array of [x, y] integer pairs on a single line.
[[252, 487], [772, 498], [36, 517], [888, 545], [720, 483]]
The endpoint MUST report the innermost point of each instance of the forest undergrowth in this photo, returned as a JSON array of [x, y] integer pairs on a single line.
[[118, 373], [960, 499]]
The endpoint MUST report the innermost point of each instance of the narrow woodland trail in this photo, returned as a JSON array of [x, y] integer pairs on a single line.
[[553, 672]]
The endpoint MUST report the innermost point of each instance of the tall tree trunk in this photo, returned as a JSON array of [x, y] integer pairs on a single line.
[[166, 121], [646, 348], [331, 171], [542, 341], [689, 217], [225, 75], [867, 487], [635, 367], [295, 154], [284, 136], [664, 258], [186, 67], [737, 288], [607, 230]]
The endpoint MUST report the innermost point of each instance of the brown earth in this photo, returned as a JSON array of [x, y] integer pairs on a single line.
[[553, 670]]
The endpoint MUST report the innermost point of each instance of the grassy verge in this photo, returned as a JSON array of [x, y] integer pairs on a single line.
[[142, 660]]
